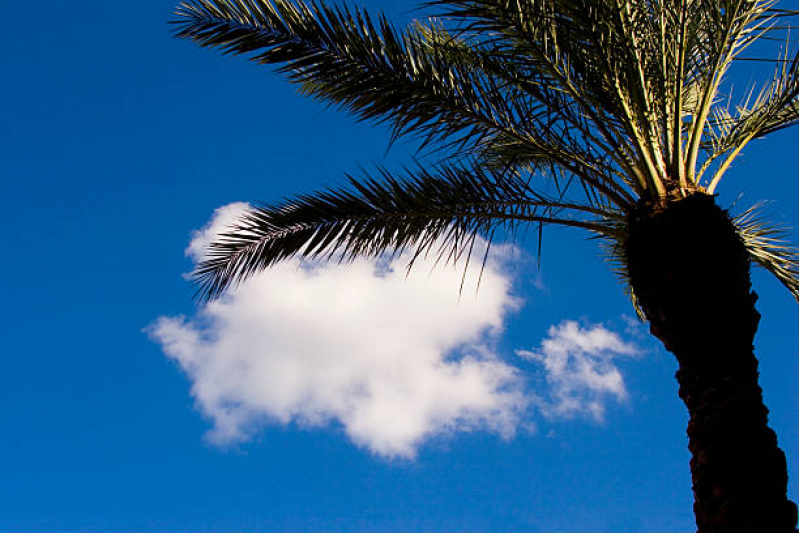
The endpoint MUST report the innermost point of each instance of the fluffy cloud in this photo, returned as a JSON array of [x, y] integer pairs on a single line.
[[580, 372], [395, 358]]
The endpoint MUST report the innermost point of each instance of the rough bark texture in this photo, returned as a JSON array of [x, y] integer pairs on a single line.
[[690, 272]]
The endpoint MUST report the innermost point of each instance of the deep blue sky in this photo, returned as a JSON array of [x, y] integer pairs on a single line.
[[116, 142]]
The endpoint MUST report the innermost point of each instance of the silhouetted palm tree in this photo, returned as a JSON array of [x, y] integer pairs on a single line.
[[606, 115]]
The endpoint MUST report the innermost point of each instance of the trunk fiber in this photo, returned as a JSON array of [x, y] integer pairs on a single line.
[[690, 272]]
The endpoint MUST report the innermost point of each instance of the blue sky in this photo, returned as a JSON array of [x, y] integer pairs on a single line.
[[118, 142]]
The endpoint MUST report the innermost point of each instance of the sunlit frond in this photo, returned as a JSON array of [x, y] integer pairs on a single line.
[[774, 108], [769, 247]]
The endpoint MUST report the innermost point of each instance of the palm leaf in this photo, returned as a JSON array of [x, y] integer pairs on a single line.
[[776, 107], [769, 247], [424, 210], [375, 72]]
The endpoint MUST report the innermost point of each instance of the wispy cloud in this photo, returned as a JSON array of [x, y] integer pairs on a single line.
[[394, 358], [580, 372]]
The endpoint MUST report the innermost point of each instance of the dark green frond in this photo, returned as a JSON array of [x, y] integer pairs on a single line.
[[367, 67], [343, 56], [769, 247], [444, 211], [375, 72]]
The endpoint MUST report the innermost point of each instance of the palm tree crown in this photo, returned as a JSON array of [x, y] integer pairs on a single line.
[[569, 112]]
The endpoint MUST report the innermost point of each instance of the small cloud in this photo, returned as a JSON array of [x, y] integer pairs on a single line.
[[580, 372]]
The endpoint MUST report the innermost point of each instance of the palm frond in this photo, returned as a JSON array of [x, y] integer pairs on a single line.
[[769, 247], [551, 108], [598, 54], [723, 30], [776, 107], [443, 209], [373, 71], [343, 56]]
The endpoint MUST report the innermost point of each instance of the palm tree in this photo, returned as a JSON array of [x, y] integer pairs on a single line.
[[606, 115]]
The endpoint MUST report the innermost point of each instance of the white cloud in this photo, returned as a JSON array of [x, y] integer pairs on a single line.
[[579, 365], [394, 359]]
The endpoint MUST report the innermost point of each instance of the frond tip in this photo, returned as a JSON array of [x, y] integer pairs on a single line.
[[769, 247]]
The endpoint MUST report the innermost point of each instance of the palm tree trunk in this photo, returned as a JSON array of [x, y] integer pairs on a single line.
[[690, 272]]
